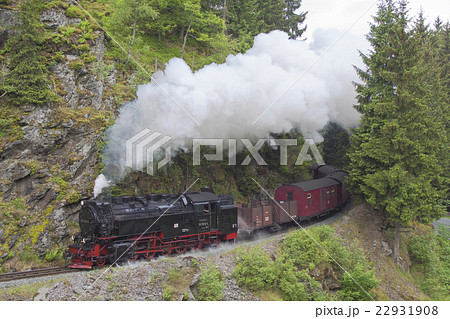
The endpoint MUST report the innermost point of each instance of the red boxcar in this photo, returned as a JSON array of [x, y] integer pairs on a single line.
[[343, 193], [313, 197]]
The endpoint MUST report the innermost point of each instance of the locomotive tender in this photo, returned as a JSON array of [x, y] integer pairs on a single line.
[[130, 227]]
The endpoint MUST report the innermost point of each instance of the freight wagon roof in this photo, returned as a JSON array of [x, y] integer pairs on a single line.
[[339, 176], [316, 184], [202, 197], [327, 169]]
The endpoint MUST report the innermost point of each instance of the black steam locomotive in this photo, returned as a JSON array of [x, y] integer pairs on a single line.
[[116, 228]]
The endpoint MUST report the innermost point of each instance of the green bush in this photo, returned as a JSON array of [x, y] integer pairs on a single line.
[[358, 286], [431, 256], [168, 292], [211, 285], [254, 270], [297, 284], [53, 255], [300, 257], [301, 247]]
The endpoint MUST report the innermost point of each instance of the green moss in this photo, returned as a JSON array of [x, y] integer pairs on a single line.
[[34, 165], [74, 11], [74, 198], [9, 128], [76, 64], [83, 47]]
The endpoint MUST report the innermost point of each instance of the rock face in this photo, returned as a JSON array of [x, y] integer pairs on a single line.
[[53, 165], [8, 19], [55, 18]]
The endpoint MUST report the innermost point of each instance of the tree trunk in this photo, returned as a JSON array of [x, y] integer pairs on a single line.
[[397, 244], [186, 34], [134, 30], [225, 15]]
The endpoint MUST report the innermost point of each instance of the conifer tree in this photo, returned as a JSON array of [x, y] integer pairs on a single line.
[[394, 162], [293, 20], [27, 78], [336, 142]]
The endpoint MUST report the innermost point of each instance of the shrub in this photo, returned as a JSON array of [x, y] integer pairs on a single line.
[[357, 286], [301, 256], [431, 256], [298, 284], [302, 248], [53, 255], [254, 270], [210, 286]]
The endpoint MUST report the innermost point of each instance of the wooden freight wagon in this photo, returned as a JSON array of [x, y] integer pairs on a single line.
[[257, 215], [313, 197], [343, 192], [284, 211]]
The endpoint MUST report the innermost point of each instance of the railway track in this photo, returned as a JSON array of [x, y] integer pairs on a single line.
[[35, 273]]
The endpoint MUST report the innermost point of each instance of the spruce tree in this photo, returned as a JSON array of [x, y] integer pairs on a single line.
[[292, 20], [336, 142], [394, 162], [27, 78]]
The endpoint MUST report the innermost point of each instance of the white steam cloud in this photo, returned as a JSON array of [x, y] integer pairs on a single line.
[[100, 183], [225, 99]]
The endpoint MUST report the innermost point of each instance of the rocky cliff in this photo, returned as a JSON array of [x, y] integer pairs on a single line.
[[49, 155]]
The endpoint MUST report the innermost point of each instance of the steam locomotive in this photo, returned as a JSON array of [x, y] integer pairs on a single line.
[[130, 227]]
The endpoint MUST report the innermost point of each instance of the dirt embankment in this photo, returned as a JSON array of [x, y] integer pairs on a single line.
[[365, 227]]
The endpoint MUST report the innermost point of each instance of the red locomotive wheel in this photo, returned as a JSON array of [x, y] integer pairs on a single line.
[[180, 250], [198, 245], [101, 261], [133, 256], [150, 255], [166, 251]]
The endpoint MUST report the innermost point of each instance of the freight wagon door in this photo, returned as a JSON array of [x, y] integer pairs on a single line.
[[323, 200]]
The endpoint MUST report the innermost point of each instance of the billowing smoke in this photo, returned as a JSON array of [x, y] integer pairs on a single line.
[[100, 183], [226, 99]]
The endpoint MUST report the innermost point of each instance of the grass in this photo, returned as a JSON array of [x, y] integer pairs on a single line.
[[177, 283], [24, 292]]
